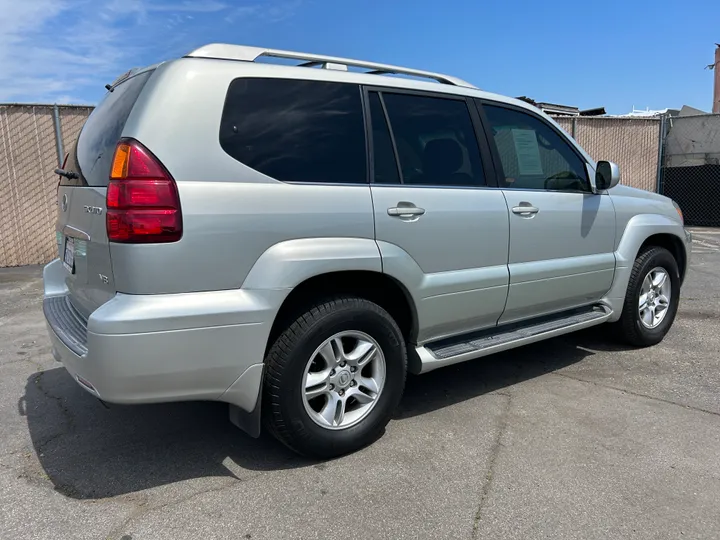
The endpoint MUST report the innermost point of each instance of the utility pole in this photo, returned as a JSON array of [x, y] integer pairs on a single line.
[[716, 93]]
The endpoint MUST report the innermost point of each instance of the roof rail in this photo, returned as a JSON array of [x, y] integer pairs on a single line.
[[250, 54]]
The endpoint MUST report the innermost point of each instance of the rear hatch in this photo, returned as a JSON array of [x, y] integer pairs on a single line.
[[81, 230]]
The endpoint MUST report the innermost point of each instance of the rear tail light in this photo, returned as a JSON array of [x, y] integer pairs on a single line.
[[143, 205]]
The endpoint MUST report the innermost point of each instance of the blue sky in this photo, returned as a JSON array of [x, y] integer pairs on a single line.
[[585, 53]]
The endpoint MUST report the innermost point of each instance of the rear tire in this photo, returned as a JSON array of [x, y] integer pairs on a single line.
[[334, 378], [651, 300]]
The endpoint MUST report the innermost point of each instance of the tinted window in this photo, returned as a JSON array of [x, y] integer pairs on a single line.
[[296, 131], [435, 140], [92, 156], [534, 155], [385, 165]]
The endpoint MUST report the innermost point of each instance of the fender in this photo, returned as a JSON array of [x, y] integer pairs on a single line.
[[448, 303], [638, 229], [281, 268], [287, 264]]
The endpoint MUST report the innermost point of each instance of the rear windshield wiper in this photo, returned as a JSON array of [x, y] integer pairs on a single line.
[[70, 175]]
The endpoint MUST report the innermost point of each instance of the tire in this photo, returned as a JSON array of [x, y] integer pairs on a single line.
[[630, 327], [310, 426]]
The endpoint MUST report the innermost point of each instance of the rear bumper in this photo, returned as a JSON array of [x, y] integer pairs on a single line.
[[170, 347]]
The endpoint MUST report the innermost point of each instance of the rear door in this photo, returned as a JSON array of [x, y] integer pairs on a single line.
[[81, 233], [562, 235], [441, 231]]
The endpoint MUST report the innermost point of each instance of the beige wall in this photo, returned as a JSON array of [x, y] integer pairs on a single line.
[[632, 143], [27, 192]]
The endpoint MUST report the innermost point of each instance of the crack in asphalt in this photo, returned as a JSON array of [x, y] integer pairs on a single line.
[[494, 452], [136, 512], [69, 420], [141, 509], [636, 394]]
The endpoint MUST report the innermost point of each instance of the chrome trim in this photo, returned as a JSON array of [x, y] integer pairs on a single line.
[[97, 210], [69, 230]]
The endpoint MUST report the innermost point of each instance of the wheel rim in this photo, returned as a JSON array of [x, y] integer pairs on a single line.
[[343, 380], [654, 300]]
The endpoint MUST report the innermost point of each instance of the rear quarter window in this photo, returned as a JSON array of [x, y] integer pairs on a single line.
[[92, 156], [295, 130]]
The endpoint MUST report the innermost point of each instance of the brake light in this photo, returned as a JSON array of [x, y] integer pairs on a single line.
[[143, 205]]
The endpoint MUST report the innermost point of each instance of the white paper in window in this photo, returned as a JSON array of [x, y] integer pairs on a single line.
[[528, 152]]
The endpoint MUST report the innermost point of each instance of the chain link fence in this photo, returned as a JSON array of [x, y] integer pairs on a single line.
[[632, 143], [691, 167], [72, 120], [28, 157]]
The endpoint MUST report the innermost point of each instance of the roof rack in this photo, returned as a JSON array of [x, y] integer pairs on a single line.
[[250, 54]]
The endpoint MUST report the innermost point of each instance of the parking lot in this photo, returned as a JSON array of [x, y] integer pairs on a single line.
[[571, 438]]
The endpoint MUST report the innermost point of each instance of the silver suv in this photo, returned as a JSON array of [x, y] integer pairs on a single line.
[[293, 241]]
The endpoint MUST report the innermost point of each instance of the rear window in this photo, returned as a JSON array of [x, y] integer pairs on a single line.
[[92, 156], [296, 131]]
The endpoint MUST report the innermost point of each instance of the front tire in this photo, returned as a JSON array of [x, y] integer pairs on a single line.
[[334, 377], [652, 298]]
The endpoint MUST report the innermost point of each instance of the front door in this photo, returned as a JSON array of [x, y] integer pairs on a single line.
[[440, 230], [562, 235]]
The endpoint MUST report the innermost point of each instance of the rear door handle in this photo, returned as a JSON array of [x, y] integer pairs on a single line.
[[405, 211], [525, 210]]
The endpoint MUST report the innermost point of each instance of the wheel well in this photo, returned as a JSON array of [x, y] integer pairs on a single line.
[[673, 244], [382, 289]]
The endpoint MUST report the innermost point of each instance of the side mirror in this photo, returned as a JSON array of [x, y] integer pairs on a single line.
[[607, 175]]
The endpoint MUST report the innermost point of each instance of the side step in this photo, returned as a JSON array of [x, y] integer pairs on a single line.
[[477, 344]]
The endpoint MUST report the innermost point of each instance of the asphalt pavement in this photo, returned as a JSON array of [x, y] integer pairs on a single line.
[[574, 438]]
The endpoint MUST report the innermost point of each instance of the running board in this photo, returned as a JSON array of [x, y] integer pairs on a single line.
[[477, 344]]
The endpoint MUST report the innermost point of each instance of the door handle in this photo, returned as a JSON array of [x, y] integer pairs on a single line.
[[525, 210], [405, 211]]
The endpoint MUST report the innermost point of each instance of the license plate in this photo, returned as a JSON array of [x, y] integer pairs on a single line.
[[69, 258]]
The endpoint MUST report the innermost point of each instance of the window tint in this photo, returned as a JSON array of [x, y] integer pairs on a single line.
[[296, 131], [385, 165], [435, 140], [92, 156], [533, 155]]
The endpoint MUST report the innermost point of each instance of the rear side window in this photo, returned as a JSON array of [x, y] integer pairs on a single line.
[[92, 156], [435, 140], [296, 131]]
